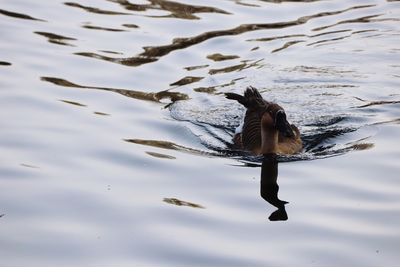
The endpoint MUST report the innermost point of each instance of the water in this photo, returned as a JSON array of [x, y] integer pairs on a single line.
[[115, 133]]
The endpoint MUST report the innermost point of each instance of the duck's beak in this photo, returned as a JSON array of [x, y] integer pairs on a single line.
[[282, 125]]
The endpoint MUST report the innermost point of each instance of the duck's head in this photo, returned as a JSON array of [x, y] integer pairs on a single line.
[[282, 125], [279, 121]]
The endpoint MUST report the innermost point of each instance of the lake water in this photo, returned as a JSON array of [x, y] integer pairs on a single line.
[[115, 133]]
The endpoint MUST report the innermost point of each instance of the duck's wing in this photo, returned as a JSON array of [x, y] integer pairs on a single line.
[[256, 107], [251, 132], [290, 145]]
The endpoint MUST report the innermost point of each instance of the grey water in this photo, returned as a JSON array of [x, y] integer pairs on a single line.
[[115, 135]]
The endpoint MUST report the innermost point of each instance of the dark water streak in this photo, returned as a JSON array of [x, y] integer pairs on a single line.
[[177, 10], [56, 38], [155, 97], [18, 15], [93, 9], [178, 202], [93, 27], [153, 53]]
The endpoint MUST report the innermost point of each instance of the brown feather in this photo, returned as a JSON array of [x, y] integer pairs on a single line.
[[259, 134]]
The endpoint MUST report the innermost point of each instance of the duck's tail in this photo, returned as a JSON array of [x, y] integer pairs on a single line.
[[250, 98], [237, 97]]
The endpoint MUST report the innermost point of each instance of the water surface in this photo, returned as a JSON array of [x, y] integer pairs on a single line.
[[115, 133]]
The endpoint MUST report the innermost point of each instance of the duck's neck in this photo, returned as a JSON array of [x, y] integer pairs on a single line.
[[269, 141]]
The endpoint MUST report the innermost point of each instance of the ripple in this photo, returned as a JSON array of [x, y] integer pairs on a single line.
[[233, 68], [214, 89], [94, 9], [176, 9], [187, 80], [287, 45], [18, 15], [93, 27], [220, 57], [365, 19], [159, 155], [237, 67], [376, 103], [273, 38], [170, 146], [191, 68], [29, 166], [153, 53], [101, 113], [56, 38], [177, 202], [311, 43], [130, 25], [74, 103], [155, 97]]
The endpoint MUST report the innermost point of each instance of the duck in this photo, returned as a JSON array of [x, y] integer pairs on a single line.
[[265, 129]]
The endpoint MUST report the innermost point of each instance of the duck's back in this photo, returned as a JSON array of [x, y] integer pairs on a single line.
[[289, 146]]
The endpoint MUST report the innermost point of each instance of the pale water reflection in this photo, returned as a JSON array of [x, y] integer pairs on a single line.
[[115, 136]]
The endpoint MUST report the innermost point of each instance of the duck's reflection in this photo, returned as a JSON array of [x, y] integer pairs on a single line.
[[269, 187]]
